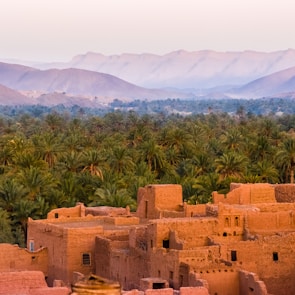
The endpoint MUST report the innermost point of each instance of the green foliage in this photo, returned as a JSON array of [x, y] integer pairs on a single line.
[[51, 159]]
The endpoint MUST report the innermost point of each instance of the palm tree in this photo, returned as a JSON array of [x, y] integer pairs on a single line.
[[120, 161], [49, 147], [266, 171], [36, 181], [6, 235], [231, 165], [93, 161], [113, 198], [285, 157], [205, 185], [153, 154], [10, 193]]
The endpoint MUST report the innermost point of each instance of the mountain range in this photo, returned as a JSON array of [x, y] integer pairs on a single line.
[[92, 79]]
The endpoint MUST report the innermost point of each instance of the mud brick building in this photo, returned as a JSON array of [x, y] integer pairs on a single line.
[[242, 243]]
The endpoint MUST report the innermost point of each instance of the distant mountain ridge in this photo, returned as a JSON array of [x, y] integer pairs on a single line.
[[223, 72], [277, 84], [78, 83], [183, 69]]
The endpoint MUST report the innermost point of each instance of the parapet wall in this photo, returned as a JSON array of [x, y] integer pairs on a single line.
[[13, 258], [247, 194], [27, 283]]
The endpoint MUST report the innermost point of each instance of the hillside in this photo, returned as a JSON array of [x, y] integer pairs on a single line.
[[182, 69], [11, 97], [76, 82], [281, 83]]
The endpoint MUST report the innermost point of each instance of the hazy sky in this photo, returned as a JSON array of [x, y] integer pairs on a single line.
[[56, 30]]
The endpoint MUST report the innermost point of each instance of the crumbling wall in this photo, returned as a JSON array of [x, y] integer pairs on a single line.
[[285, 193], [77, 211], [14, 258], [250, 284], [27, 283], [247, 194]]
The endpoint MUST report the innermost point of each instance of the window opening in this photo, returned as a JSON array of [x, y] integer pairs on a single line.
[[166, 244], [233, 254], [275, 256], [86, 259], [55, 215], [158, 285]]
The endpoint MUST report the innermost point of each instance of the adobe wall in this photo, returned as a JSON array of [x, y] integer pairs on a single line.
[[170, 291], [106, 211], [54, 239], [13, 258], [27, 283], [190, 232], [247, 194], [194, 210], [222, 280], [118, 261], [77, 211], [285, 193], [250, 284], [66, 239], [80, 241], [282, 219], [153, 199], [272, 258]]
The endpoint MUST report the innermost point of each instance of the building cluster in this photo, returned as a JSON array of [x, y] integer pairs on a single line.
[[241, 243]]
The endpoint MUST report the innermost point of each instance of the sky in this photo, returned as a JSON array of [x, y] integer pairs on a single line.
[[57, 30]]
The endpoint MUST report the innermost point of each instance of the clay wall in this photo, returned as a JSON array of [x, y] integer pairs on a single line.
[[70, 243], [250, 284], [81, 250], [117, 261], [119, 220], [102, 257], [106, 211], [13, 258], [164, 264], [270, 222], [247, 194], [190, 232], [285, 193], [153, 199], [169, 291], [222, 280], [272, 258], [194, 210], [54, 239], [231, 221], [27, 283], [202, 258], [77, 211]]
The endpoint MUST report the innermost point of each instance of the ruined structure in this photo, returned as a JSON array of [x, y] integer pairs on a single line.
[[242, 243]]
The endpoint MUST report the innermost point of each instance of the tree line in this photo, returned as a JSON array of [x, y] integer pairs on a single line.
[[55, 159]]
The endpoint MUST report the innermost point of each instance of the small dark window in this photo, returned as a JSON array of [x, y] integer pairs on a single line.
[[158, 285], [166, 244], [275, 256], [86, 259], [55, 215], [233, 254], [225, 234]]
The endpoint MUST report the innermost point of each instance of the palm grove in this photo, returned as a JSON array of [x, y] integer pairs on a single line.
[[57, 160]]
